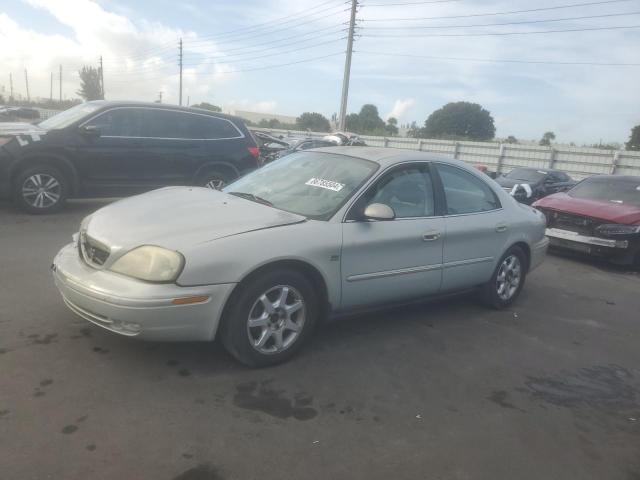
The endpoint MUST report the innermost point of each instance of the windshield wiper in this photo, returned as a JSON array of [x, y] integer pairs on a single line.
[[252, 197]]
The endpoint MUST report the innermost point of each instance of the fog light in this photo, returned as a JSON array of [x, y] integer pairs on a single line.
[[130, 327]]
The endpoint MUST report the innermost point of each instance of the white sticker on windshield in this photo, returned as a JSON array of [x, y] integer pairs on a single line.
[[328, 184], [638, 188]]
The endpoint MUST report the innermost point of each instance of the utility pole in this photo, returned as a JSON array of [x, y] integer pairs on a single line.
[[11, 86], [101, 77], [60, 83], [26, 81], [342, 125], [180, 60], [160, 96], [188, 98], [51, 89]]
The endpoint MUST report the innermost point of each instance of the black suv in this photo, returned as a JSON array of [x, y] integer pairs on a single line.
[[103, 148]]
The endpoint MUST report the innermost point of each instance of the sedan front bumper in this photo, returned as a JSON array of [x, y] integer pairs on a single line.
[[134, 308], [575, 241]]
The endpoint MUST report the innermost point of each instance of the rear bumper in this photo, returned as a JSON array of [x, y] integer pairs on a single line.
[[133, 308]]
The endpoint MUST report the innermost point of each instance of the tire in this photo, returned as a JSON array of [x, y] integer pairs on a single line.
[[501, 291], [271, 338], [214, 179], [40, 189]]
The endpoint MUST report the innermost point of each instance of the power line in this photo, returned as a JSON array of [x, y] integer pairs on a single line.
[[492, 34], [406, 3], [406, 27], [268, 55], [495, 60], [557, 7], [266, 67]]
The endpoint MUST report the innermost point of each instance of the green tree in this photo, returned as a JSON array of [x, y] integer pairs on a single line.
[[353, 123], [547, 138], [414, 131], [207, 106], [370, 120], [634, 139], [511, 139], [90, 87], [463, 120], [392, 126], [313, 121]]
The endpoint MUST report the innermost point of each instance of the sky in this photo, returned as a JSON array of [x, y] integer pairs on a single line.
[[287, 57]]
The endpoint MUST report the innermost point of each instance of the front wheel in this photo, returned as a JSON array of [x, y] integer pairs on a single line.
[[270, 318], [40, 189], [214, 180], [507, 280]]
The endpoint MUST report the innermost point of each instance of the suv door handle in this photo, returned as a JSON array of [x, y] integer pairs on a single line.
[[431, 236], [501, 227]]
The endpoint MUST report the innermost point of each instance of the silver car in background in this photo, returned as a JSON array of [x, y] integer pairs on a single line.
[[314, 233]]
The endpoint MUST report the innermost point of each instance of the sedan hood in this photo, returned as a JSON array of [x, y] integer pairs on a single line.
[[180, 217], [608, 211], [20, 128]]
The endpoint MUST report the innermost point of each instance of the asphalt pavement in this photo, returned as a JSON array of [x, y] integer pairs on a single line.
[[549, 389]]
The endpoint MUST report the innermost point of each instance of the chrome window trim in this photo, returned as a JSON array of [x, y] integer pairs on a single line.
[[166, 138]]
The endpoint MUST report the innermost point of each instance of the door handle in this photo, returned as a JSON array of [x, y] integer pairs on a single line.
[[430, 236], [501, 227]]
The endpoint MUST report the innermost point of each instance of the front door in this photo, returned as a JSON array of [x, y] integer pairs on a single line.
[[397, 259]]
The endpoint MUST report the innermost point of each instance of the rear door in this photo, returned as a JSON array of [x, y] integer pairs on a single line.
[[394, 259], [476, 228]]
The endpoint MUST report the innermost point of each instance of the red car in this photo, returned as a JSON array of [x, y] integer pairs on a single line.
[[599, 216]]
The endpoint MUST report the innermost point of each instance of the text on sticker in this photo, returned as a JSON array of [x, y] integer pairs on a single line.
[[328, 184]]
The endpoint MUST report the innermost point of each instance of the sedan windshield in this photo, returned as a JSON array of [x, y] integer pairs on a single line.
[[609, 189], [66, 118], [312, 184], [526, 174]]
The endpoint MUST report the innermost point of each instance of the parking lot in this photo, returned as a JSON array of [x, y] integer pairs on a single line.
[[549, 389]]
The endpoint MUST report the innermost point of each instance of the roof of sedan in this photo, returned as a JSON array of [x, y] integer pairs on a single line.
[[384, 156], [135, 103]]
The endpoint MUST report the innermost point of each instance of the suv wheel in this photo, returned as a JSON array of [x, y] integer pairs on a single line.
[[270, 318], [214, 179], [40, 189]]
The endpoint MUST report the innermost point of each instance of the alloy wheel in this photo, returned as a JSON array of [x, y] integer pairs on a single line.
[[276, 319], [215, 183], [509, 277], [41, 190]]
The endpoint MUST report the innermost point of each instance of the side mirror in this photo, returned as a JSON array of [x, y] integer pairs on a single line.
[[379, 211], [90, 131]]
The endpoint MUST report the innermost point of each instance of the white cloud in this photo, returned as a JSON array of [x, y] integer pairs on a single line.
[[400, 108]]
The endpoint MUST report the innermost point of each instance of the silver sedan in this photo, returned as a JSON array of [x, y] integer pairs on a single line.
[[315, 233]]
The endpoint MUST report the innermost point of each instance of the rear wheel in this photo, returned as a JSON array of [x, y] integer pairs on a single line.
[[215, 180], [40, 189], [507, 280], [270, 318]]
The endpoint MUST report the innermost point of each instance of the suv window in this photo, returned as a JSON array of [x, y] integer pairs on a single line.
[[119, 122], [174, 124], [464, 192], [408, 190]]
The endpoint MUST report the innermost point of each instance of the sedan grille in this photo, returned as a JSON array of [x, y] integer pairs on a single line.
[[92, 251], [573, 223]]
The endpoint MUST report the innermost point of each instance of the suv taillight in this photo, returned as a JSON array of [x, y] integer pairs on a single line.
[[255, 152]]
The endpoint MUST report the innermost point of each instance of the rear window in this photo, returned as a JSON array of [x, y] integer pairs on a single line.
[[609, 189], [174, 124]]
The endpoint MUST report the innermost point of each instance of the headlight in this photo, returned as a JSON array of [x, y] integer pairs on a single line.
[[153, 264], [616, 229]]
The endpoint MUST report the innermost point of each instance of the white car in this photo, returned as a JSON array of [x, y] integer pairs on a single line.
[[313, 233]]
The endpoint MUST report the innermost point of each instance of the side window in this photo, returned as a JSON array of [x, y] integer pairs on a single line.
[[120, 122], [408, 190], [464, 192], [175, 124]]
